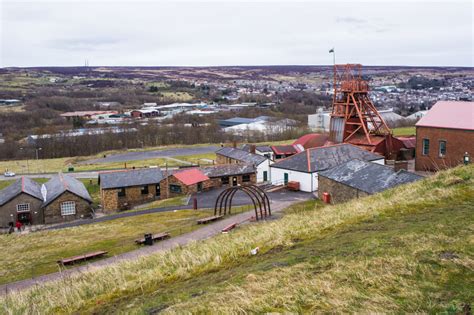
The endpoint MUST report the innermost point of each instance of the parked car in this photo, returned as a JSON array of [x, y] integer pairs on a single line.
[[9, 174]]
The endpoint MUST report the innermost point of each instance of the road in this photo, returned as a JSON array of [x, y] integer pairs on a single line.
[[197, 235], [144, 155]]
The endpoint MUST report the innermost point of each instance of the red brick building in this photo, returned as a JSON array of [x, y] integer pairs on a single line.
[[445, 135]]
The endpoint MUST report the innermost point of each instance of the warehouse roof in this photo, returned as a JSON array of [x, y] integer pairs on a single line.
[[312, 140], [228, 170], [128, 178], [323, 158], [368, 177], [241, 155], [60, 184], [22, 185], [285, 149], [191, 176], [449, 114]]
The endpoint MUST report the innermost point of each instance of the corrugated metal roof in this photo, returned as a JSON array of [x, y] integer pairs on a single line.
[[312, 140], [22, 185], [284, 149], [368, 177], [323, 158], [191, 176], [61, 183], [449, 114], [228, 170], [128, 178], [241, 155]]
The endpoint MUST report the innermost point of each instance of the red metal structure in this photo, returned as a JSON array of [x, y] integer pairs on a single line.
[[354, 118]]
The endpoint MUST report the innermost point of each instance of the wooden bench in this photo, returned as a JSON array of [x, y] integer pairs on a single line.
[[75, 259], [154, 237], [209, 219], [229, 227]]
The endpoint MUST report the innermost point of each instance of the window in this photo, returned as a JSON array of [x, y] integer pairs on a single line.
[[442, 148], [121, 192], [144, 190], [245, 178], [225, 180], [68, 208], [175, 189], [23, 207], [426, 146]]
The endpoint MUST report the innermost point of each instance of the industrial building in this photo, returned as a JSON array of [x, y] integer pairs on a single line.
[[445, 136]]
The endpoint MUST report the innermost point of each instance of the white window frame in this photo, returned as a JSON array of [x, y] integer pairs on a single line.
[[68, 208], [25, 209]]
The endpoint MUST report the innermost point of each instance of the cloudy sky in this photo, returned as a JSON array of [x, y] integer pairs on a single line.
[[198, 33]]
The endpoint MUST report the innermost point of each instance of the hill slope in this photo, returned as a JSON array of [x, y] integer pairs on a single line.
[[409, 249]]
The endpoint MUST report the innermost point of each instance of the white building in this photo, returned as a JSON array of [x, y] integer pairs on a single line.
[[305, 166], [320, 120]]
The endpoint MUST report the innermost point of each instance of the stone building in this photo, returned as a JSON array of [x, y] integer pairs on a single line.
[[65, 199], [186, 182], [444, 136], [227, 175], [357, 178], [62, 198], [262, 164], [21, 201], [120, 190]]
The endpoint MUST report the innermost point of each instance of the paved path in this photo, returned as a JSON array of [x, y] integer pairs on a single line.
[[197, 235], [144, 155]]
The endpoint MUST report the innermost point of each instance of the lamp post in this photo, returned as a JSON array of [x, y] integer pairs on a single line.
[[466, 158]]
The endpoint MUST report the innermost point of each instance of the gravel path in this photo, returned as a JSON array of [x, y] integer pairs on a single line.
[[203, 233]]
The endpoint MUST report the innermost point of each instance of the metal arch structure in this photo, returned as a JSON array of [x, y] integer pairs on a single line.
[[259, 198]]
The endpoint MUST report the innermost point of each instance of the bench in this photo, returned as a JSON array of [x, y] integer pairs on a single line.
[[154, 237], [75, 259], [229, 227], [209, 219]]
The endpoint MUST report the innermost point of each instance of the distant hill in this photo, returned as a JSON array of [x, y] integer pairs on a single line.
[[408, 249]]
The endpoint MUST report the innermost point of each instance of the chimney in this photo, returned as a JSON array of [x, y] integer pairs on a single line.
[[234, 144], [253, 148]]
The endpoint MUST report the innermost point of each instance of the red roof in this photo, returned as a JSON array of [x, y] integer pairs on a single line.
[[449, 114], [312, 140], [191, 176], [284, 149], [408, 142]]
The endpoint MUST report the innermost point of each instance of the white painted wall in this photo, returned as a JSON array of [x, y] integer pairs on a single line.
[[308, 182], [264, 166]]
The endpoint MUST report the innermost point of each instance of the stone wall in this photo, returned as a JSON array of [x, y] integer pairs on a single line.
[[457, 143], [185, 189], [220, 159], [133, 196], [9, 214], [52, 212], [338, 191]]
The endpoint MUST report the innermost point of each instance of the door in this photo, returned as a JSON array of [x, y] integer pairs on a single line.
[[24, 218], [265, 176], [286, 178], [234, 181], [158, 190], [199, 186]]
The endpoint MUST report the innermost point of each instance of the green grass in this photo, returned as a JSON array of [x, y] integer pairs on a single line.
[[408, 249], [176, 201], [34, 254], [404, 131]]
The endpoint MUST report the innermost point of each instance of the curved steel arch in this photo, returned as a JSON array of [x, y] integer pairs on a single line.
[[260, 200]]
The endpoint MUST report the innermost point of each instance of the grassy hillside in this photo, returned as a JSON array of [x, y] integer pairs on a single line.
[[408, 249]]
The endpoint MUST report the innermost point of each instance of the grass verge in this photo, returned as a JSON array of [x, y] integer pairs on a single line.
[[407, 249]]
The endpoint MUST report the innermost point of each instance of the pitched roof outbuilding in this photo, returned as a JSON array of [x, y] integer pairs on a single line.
[[62, 183], [323, 158], [368, 177], [449, 114], [129, 178], [241, 155], [22, 185], [229, 170]]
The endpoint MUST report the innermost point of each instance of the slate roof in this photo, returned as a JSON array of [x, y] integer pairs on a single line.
[[129, 178], [323, 158], [369, 177], [228, 170], [60, 184], [241, 155], [22, 185], [260, 148], [191, 176]]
